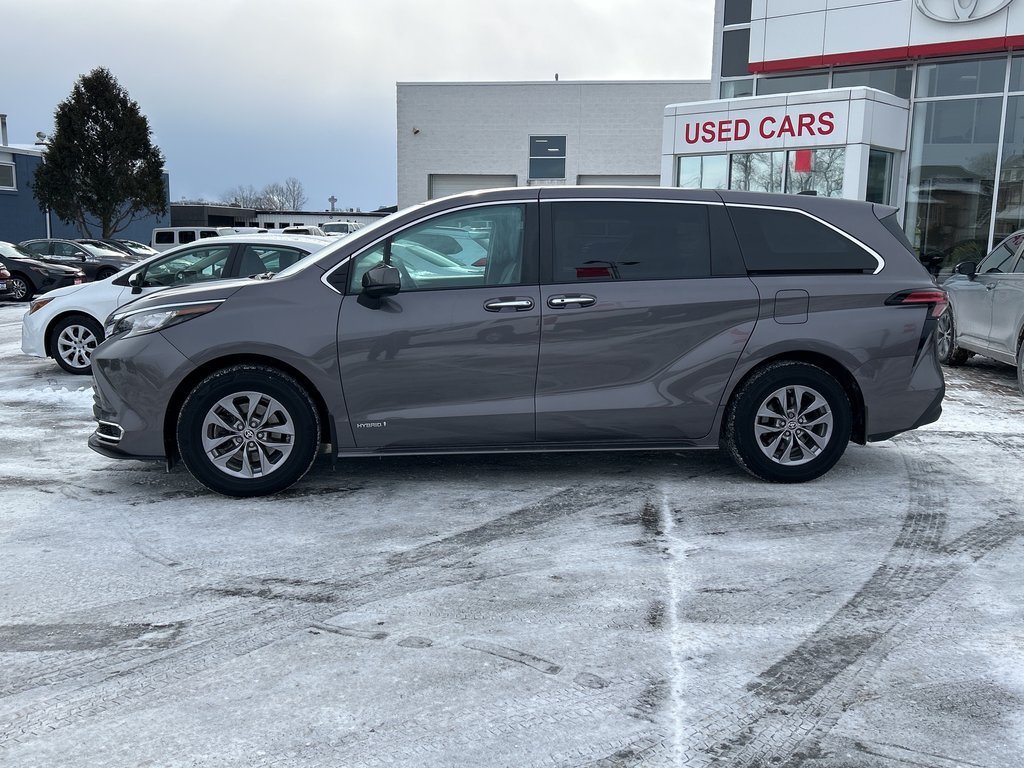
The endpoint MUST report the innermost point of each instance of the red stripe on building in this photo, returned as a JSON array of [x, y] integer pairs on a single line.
[[879, 55]]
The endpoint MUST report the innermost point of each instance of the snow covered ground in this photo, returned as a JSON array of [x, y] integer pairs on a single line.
[[659, 609]]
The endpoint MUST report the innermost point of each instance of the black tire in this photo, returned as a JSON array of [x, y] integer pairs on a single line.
[[72, 342], [945, 341], [1020, 365], [785, 449], [103, 274], [252, 459], [22, 287]]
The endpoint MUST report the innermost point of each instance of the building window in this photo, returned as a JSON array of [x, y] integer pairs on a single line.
[[737, 12], [961, 78], [547, 157], [816, 171], [1010, 211], [7, 176], [792, 83], [758, 171], [879, 177], [894, 80], [733, 89], [735, 53], [953, 151], [703, 172]]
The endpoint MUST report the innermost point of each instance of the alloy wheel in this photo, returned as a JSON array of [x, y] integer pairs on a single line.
[[793, 425], [248, 434]]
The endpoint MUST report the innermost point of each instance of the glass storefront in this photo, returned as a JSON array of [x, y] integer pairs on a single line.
[[954, 152]]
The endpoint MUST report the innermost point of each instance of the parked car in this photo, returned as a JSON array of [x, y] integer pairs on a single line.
[[303, 230], [6, 286], [128, 247], [455, 243], [97, 263], [779, 327], [140, 250], [29, 276], [165, 238], [340, 227], [986, 308], [67, 324]]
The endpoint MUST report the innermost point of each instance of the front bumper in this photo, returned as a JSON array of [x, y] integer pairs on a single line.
[[133, 381], [32, 330]]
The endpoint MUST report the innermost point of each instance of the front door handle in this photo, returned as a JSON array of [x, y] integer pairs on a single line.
[[518, 303], [571, 300]]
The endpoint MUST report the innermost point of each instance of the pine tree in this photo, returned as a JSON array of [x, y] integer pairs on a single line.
[[101, 165]]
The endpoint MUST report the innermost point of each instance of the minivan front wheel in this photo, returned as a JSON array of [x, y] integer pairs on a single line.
[[790, 422], [248, 430]]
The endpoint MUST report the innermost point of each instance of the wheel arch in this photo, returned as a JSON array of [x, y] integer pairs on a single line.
[[187, 384], [831, 366]]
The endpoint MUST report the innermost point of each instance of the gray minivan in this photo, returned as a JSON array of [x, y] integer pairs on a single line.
[[778, 327]]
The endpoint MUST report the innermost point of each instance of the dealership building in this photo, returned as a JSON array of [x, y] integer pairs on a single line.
[[914, 103]]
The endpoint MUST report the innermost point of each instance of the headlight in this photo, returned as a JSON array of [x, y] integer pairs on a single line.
[[38, 304], [140, 321]]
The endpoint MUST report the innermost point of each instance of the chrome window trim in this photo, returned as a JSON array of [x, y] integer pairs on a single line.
[[833, 227]]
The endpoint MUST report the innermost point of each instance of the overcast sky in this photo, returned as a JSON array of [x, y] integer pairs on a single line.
[[248, 92]]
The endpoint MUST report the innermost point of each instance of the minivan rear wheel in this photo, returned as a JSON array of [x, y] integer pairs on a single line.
[[790, 422], [248, 430]]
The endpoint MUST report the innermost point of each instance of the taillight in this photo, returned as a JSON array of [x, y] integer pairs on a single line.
[[934, 297]]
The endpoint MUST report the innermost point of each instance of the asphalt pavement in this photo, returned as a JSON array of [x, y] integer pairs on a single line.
[[589, 609]]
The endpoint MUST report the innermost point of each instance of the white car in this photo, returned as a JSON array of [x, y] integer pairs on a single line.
[[67, 323]]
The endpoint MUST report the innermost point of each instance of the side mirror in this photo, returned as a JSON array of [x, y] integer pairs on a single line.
[[382, 280], [968, 268], [135, 281]]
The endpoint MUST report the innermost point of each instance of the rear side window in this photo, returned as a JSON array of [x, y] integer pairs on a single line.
[[164, 238], [776, 241], [597, 241], [186, 237]]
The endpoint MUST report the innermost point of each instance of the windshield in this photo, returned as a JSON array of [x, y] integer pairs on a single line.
[[10, 249]]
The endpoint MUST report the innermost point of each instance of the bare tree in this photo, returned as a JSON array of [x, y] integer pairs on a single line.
[[272, 197], [294, 194], [243, 196]]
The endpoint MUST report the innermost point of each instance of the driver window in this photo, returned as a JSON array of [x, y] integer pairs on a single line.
[[475, 248], [193, 266], [998, 260]]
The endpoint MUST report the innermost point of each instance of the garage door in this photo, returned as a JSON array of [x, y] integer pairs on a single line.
[[620, 181], [442, 184]]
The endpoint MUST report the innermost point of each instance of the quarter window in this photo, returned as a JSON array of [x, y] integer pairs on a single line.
[[789, 241], [474, 248], [598, 241]]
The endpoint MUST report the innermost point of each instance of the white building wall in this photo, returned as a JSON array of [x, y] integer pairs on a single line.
[[611, 128]]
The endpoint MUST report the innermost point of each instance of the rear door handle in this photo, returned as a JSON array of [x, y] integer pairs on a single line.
[[517, 303], [571, 300]]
